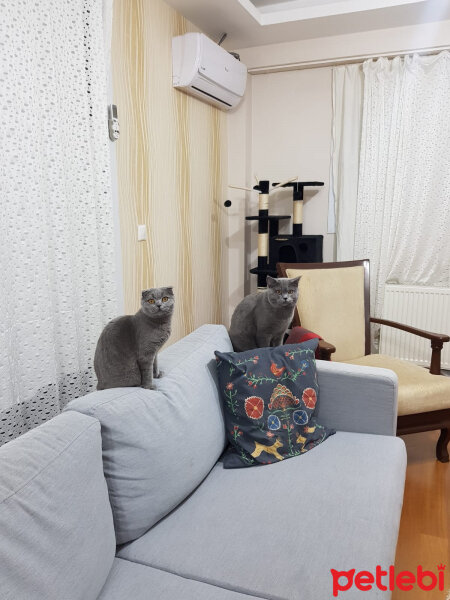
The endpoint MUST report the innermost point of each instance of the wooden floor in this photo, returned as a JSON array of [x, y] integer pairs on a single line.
[[425, 525]]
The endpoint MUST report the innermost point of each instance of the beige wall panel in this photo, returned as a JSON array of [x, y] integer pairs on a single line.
[[170, 170], [207, 208]]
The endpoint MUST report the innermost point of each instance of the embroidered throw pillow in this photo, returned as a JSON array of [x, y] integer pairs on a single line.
[[269, 397]]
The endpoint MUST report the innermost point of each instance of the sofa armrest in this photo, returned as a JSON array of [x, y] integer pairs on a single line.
[[357, 398]]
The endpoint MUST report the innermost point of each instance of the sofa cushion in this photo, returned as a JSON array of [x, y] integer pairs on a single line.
[[269, 397], [277, 531], [56, 528], [158, 445], [131, 581]]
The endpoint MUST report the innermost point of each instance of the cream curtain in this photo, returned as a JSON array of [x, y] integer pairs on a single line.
[[346, 140], [57, 286], [400, 216]]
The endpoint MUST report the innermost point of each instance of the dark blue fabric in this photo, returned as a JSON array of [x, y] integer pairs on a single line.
[[269, 397]]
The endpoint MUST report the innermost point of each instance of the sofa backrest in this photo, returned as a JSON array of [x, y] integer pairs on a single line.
[[158, 445], [56, 528]]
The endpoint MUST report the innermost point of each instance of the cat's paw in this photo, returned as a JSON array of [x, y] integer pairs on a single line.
[[158, 375], [148, 386]]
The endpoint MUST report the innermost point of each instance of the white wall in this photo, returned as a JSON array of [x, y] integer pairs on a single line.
[[380, 41], [239, 124], [291, 125], [283, 129]]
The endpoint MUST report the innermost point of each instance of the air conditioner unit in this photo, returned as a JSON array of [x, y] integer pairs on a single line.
[[204, 69]]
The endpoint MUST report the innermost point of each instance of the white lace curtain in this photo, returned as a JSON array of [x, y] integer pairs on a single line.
[[57, 285], [391, 165]]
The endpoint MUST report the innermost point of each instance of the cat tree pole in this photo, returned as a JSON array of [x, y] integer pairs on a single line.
[[263, 218], [298, 187], [263, 226]]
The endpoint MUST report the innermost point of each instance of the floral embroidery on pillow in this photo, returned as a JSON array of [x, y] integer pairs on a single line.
[[277, 421]]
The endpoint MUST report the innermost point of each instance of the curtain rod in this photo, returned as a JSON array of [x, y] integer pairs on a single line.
[[344, 60]]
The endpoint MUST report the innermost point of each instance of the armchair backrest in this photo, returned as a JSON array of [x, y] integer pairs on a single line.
[[334, 303]]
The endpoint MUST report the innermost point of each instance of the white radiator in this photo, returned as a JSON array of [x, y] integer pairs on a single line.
[[423, 307]]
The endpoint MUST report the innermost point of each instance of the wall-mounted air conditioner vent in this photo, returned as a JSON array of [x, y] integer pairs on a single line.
[[204, 69]]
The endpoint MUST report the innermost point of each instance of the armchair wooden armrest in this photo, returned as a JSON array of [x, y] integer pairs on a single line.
[[437, 341], [326, 350]]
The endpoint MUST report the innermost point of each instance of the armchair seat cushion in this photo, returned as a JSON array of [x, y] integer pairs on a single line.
[[418, 390]]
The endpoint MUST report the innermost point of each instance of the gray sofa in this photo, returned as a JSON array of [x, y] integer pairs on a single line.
[[122, 495]]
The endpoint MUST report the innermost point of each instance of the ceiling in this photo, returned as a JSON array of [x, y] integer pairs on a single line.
[[336, 4], [259, 22], [266, 2]]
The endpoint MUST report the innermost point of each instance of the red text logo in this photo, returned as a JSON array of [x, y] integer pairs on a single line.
[[387, 580]]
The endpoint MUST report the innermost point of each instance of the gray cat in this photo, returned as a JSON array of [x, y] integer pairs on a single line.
[[261, 319], [126, 353]]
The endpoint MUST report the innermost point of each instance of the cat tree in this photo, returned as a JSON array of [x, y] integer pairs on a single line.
[[273, 247]]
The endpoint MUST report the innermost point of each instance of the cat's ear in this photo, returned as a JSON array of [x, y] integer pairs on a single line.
[[271, 281], [145, 294], [168, 290], [295, 280]]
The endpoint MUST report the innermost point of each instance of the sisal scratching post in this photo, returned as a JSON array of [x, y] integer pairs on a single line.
[[297, 188]]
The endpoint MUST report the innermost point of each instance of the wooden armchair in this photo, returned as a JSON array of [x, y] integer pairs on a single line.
[[334, 302]]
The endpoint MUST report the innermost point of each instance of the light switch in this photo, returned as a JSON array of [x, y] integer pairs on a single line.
[[142, 233]]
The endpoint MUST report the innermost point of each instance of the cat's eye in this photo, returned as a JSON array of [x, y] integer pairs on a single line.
[[278, 291], [151, 301], [165, 299], [291, 291]]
